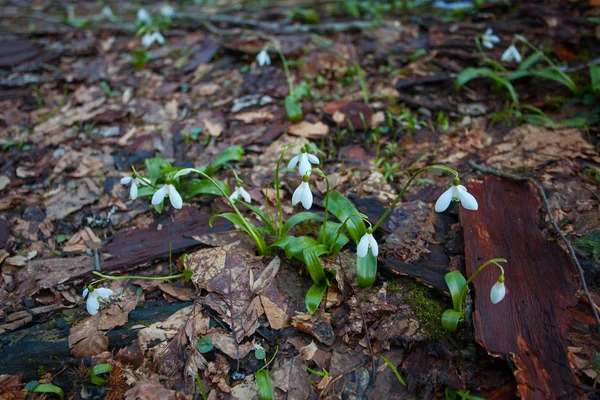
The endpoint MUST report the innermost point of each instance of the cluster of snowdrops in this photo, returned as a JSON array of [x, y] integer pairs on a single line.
[[164, 181]]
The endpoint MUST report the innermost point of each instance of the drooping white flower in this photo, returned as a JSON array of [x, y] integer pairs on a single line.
[[143, 16], [107, 13], [305, 160], [150, 38], [303, 194], [488, 39], [456, 193], [240, 191], [174, 196], [93, 304], [133, 191], [511, 54], [367, 241], [263, 58], [498, 291], [167, 11]]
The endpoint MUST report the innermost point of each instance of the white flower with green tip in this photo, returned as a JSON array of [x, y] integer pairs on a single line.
[[302, 194], [498, 291], [167, 11], [143, 16], [305, 159], [135, 182], [263, 58], [459, 193], [240, 191], [174, 196], [93, 304], [367, 241], [511, 54], [488, 39]]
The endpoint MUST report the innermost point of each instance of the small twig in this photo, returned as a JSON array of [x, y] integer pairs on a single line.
[[544, 200], [337, 378]]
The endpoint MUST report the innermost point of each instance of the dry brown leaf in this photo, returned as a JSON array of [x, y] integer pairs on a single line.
[[89, 337], [308, 129], [82, 241], [278, 318], [149, 391], [224, 341], [307, 352]]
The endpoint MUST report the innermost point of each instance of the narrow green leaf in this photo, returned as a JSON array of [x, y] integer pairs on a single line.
[[283, 242], [472, 73], [296, 246], [297, 218], [249, 228], [155, 167], [265, 388], [99, 369], [48, 388], [262, 215], [342, 208], [530, 61], [394, 369], [203, 186], [366, 269], [556, 75], [314, 296], [313, 263], [451, 319], [455, 281], [233, 153], [331, 234]]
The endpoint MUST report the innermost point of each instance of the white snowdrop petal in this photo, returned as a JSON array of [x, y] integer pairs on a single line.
[[159, 38], [133, 191], [297, 196], [235, 194], [444, 200], [363, 246], [374, 246], [104, 293], [307, 197], [245, 195], [294, 161], [488, 44], [159, 195], [498, 292], [126, 180], [312, 158], [85, 292], [488, 32], [92, 305], [304, 164], [175, 197], [467, 200], [147, 40]]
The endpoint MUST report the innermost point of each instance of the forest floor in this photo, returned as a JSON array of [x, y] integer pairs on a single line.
[[380, 90]]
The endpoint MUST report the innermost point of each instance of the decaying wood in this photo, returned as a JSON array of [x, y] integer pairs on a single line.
[[528, 327]]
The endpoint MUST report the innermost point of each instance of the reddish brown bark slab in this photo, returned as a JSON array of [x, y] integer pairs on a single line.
[[528, 327]]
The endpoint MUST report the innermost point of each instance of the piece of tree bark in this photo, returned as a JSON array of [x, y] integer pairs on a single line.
[[528, 328]]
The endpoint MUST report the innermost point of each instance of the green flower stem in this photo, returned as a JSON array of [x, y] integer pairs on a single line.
[[237, 178], [148, 278], [535, 49], [277, 190], [412, 178], [258, 240], [322, 175], [465, 289], [286, 69], [341, 228], [272, 358]]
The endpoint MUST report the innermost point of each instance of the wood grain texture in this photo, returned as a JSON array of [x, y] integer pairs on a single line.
[[528, 328]]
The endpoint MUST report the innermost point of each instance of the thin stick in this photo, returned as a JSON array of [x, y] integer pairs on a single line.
[[544, 200]]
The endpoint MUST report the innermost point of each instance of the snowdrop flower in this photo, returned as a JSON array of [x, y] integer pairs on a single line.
[[149, 38], [367, 242], [133, 191], [167, 11], [143, 16], [498, 291], [456, 192], [488, 39], [303, 194], [511, 54], [107, 13], [174, 196], [93, 304], [305, 160], [263, 58], [240, 191]]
